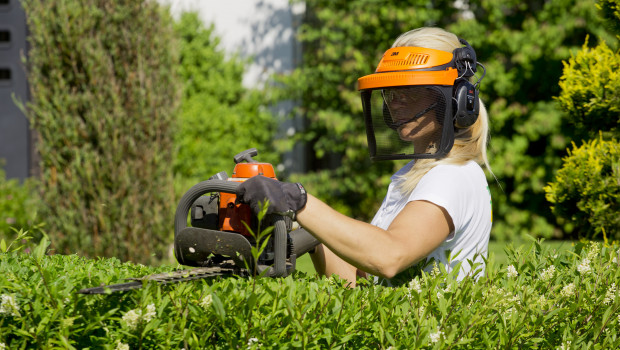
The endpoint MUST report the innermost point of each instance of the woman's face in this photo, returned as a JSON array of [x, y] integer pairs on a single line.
[[413, 112]]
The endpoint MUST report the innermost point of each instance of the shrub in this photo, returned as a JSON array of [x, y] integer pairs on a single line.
[[541, 299], [591, 90], [103, 99], [219, 117], [586, 192]]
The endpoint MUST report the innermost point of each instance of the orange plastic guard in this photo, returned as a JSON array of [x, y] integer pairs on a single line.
[[401, 66], [232, 216], [408, 58]]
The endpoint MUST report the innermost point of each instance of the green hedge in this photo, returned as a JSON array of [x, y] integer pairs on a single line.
[[542, 299], [103, 97]]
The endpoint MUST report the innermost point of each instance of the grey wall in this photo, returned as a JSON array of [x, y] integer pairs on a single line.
[[14, 131]]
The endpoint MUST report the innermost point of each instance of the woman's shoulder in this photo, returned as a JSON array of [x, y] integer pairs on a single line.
[[453, 179], [467, 169]]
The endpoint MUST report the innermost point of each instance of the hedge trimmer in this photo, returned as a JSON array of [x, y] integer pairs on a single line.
[[222, 234]]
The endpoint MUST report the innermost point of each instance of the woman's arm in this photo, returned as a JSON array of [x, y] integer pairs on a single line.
[[415, 232], [327, 263]]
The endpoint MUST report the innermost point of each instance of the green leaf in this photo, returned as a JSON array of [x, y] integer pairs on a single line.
[[219, 308]]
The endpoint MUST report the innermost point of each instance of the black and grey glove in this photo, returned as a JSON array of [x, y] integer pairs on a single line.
[[285, 198]]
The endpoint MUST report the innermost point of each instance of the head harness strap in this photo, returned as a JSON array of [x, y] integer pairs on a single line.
[[465, 59]]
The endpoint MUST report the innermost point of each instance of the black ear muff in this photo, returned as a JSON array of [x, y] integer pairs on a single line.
[[465, 106], [464, 93]]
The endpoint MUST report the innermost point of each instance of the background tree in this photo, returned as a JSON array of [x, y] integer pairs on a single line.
[[104, 94], [522, 44], [218, 117]]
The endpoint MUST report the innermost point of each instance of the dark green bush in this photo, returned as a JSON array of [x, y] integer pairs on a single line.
[[586, 192], [219, 117], [104, 93]]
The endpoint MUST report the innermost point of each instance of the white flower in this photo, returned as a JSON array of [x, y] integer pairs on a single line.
[[565, 347], [8, 305], [610, 295], [150, 313], [132, 318], [548, 273], [2, 346], [415, 285], [121, 346], [435, 337], [584, 266], [206, 301], [568, 290], [253, 341], [512, 272], [435, 270]]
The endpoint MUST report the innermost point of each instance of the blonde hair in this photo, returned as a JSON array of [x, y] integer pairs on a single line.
[[469, 143]]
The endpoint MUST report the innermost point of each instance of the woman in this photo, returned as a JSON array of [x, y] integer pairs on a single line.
[[418, 105]]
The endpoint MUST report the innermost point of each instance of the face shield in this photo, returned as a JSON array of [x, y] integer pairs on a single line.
[[407, 104]]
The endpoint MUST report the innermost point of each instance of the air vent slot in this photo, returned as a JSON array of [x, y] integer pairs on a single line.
[[418, 59]]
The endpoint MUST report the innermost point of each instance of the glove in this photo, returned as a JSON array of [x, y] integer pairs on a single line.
[[285, 198]]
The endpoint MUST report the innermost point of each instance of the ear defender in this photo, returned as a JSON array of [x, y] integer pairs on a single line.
[[465, 94], [465, 104]]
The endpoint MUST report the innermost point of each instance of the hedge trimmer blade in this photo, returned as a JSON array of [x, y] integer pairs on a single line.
[[169, 277]]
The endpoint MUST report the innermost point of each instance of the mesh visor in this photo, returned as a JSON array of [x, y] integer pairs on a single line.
[[408, 122]]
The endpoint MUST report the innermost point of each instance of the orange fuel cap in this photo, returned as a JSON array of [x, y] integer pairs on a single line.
[[248, 170]]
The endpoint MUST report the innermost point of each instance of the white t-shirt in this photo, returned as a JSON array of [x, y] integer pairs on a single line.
[[462, 190]]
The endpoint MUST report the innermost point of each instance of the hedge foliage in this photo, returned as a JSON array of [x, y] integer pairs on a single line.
[[219, 117], [541, 299], [522, 44], [586, 192], [103, 97]]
